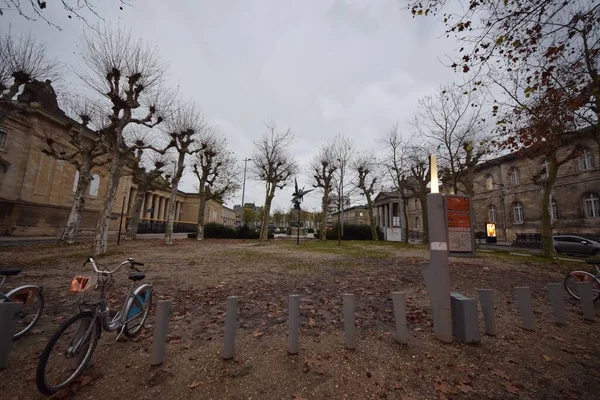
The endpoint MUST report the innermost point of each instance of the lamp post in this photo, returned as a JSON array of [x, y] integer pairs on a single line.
[[435, 272], [245, 160], [121, 221]]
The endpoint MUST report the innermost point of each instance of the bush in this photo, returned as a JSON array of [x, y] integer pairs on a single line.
[[353, 232], [480, 235], [310, 230]]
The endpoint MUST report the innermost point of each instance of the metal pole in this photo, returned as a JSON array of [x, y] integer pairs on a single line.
[[342, 192], [298, 228], [230, 325], [121, 221], [294, 323], [244, 185], [161, 328]]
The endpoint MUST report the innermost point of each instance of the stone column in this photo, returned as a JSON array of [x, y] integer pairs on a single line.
[[154, 206], [143, 207], [391, 215], [161, 208], [177, 210]]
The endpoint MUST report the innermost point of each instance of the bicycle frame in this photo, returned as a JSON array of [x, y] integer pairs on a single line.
[[8, 296]]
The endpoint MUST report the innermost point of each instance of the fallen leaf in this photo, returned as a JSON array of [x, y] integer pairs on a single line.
[[547, 358], [298, 396], [311, 322], [500, 373], [464, 387], [443, 388], [258, 333], [510, 387], [36, 331], [194, 384], [85, 380]]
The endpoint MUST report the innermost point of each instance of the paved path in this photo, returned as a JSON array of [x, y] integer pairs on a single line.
[[39, 240]]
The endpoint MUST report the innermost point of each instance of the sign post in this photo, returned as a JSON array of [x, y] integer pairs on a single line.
[[459, 217]]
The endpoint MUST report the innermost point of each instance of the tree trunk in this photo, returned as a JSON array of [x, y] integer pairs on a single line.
[[132, 225], [83, 183], [103, 224], [171, 213], [339, 226], [324, 207], [201, 209], [374, 235], [405, 215], [547, 240], [423, 201], [264, 228]]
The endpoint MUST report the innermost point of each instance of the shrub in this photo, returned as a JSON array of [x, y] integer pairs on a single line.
[[310, 230], [480, 235], [213, 230], [353, 232]]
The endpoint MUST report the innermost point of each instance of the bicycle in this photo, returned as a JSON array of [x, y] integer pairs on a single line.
[[583, 276], [32, 298], [69, 359]]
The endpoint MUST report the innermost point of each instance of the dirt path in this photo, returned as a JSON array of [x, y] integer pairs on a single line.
[[551, 362]]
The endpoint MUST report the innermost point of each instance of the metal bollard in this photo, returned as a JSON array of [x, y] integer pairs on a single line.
[[230, 326], [586, 299], [486, 300], [8, 311], [161, 328], [523, 295], [293, 323], [557, 300], [349, 322], [399, 301]]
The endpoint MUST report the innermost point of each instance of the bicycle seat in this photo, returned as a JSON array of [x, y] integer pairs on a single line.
[[10, 271], [593, 262], [136, 276]]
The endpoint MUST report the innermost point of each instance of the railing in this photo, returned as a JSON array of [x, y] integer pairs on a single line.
[[415, 235], [529, 238], [158, 226]]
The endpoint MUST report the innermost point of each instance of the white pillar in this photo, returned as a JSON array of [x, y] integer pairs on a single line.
[[143, 207], [154, 207]]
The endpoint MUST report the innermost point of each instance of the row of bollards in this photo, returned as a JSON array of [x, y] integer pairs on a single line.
[[8, 313]]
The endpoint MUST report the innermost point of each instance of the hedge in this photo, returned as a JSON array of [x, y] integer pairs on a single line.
[[212, 230], [352, 232]]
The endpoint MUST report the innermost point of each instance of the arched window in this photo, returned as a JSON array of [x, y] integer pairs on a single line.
[[591, 205], [492, 213], [545, 169], [76, 181], [417, 222], [95, 185], [489, 182], [586, 160], [514, 176], [517, 212], [553, 210]]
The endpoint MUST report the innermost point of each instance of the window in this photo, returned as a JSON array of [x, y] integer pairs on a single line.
[[514, 176], [492, 213], [417, 222], [95, 185], [591, 204], [76, 181], [2, 139], [545, 169], [553, 210], [360, 214], [518, 213], [586, 159], [416, 204], [489, 182]]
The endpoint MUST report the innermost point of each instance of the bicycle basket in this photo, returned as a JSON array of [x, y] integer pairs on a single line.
[[89, 289]]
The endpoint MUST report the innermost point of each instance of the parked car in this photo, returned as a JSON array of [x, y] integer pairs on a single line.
[[574, 244]]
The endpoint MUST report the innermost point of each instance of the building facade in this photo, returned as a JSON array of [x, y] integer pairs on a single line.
[[357, 215], [36, 190]]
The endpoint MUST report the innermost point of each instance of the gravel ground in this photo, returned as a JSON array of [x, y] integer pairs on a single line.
[[551, 362]]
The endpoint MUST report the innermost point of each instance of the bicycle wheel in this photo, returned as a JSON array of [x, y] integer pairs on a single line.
[[574, 277], [137, 310], [68, 352], [33, 306]]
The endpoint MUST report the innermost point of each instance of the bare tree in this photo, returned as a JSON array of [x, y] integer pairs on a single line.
[[185, 132], [323, 167], [419, 170], [128, 74], [86, 149], [147, 173], [218, 177], [272, 164], [366, 169], [22, 60], [342, 152], [396, 163], [34, 10], [451, 121]]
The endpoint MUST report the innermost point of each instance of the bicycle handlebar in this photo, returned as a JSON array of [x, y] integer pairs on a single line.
[[130, 261]]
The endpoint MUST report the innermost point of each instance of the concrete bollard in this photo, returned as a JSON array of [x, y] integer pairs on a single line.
[[8, 311], [557, 301], [349, 322], [399, 301], [293, 323], [161, 329], [486, 300], [523, 296], [586, 299], [230, 327], [465, 321]]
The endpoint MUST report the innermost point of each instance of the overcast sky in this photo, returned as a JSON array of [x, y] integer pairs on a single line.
[[318, 66]]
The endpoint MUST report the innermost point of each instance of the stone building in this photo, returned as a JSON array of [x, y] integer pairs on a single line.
[[36, 190], [357, 215], [504, 193]]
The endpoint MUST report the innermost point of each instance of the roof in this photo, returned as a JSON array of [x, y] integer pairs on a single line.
[[359, 207]]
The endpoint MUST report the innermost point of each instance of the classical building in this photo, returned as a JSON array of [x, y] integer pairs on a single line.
[[357, 215], [505, 194], [36, 190]]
